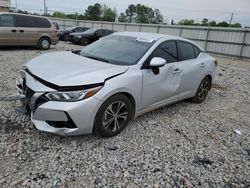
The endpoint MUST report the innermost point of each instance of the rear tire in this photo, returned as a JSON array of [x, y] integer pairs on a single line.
[[113, 116], [65, 38], [202, 91], [84, 41], [44, 43]]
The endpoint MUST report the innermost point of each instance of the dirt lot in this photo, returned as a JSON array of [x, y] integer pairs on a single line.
[[182, 145]]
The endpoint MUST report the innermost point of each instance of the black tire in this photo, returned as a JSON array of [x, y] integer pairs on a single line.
[[84, 41], [202, 91], [108, 125], [65, 38], [44, 43]]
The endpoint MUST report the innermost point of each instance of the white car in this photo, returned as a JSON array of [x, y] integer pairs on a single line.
[[110, 82]]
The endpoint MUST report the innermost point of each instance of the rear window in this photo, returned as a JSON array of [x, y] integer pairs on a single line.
[[187, 51], [42, 23], [6, 21], [29, 21], [196, 51], [25, 21]]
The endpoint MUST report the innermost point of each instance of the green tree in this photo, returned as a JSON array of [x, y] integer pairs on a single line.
[[108, 14], [94, 12], [58, 14], [158, 17], [212, 23], [144, 14], [204, 21], [122, 18], [130, 13], [141, 14], [223, 24], [235, 25], [186, 22]]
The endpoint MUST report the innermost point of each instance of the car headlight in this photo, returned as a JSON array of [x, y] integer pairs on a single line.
[[71, 96]]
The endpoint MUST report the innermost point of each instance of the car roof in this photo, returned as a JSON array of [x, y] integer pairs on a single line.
[[155, 37], [13, 13], [149, 36]]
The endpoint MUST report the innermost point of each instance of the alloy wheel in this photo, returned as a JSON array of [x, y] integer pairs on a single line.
[[115, 116], [203, 89], [45, 44]]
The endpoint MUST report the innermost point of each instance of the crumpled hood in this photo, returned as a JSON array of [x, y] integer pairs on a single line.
[[69, 69]]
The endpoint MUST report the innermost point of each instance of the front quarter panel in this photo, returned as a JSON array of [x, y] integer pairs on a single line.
[[130, 82]]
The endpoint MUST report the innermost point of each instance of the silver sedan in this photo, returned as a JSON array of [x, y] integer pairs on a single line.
[[112, 81]]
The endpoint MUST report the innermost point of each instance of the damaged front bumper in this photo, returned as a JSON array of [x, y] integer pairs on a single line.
[[61, 118]]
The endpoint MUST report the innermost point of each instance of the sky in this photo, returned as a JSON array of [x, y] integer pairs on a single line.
[[218, 10]]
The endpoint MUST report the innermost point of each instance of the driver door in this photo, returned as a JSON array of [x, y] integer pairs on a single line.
[[161, 86]]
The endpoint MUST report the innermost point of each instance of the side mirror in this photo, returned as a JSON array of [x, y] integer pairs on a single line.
[[157, 62]]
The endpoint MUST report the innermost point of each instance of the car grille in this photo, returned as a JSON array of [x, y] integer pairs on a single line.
[[41, 100], [28, 94], [38, 102]]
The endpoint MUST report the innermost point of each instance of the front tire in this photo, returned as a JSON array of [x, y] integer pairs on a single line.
[[44, 43], [65, 38], [202, 91], [113, 116]]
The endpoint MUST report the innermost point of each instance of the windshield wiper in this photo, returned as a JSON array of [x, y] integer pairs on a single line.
[[97, 58]]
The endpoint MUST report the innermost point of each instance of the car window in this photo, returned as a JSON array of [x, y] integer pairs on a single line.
[[167, 51], [6, 21], [78, 30], [196, 51], [25, 21], [107, 32], [186, 51], [99, 33], [42, 23], [118, 50]]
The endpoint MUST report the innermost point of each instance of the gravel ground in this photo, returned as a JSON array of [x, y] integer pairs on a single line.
[[182, 145]]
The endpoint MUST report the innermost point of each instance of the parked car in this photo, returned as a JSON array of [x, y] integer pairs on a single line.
[[88, 36], [26, 30], [56, 25], [64, 34], [110, 82]]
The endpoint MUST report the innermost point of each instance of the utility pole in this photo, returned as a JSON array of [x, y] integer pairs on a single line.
[[45, 7], [231, 19], [16, 6]]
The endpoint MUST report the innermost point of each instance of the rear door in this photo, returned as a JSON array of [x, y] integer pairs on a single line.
[[192, 68], [8, 33], [26, 30]]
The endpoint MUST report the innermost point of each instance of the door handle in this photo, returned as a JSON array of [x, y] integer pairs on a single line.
[[21, 31], [203, 65], [13, 31], [176, 71]]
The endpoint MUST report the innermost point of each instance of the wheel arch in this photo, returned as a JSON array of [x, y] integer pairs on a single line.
[[129, 95]]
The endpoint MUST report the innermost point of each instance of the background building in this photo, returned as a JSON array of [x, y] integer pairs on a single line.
[[5, 6]]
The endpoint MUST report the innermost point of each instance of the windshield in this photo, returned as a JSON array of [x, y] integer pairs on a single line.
[[89, 31], [119, 50]]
